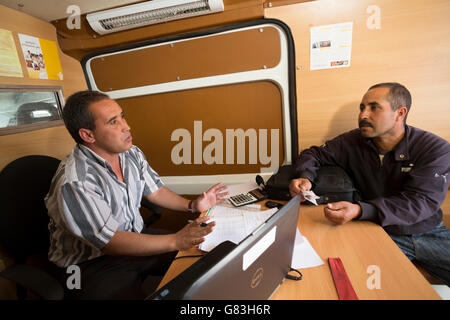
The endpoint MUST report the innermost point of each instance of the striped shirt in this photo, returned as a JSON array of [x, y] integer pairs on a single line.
[[87, 203]]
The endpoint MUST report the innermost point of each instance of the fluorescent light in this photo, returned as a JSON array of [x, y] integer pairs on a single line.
[[150, 12]]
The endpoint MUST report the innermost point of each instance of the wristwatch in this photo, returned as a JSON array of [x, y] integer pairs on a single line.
[[190, 209]]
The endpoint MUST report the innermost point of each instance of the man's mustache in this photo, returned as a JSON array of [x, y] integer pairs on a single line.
[[365, 123]]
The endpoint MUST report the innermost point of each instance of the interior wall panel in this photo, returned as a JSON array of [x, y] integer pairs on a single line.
[[154, 118], [56, 141], [204, 57], [410, 46]]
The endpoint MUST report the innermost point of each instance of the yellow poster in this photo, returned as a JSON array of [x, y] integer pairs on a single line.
[[51, 59], [41, 57], [9, 59]]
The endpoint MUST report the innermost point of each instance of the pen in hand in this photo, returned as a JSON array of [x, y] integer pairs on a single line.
[[207, 213], [201, 224]]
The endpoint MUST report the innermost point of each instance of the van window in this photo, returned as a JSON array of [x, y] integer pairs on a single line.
[[29, 108]]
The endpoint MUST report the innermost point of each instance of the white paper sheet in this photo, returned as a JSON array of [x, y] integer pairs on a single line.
[[304, 255], [233, 224]]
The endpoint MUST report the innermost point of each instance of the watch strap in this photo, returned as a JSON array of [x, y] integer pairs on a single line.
[[190, 209]]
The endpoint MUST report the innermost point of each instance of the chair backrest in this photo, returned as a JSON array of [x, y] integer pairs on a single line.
[[23, 215]]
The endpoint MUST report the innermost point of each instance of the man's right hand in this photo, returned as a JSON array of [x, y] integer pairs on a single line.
[[297, 185], [193, 233]]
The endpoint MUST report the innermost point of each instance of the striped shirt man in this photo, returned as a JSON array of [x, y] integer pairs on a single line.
[[87, 203]]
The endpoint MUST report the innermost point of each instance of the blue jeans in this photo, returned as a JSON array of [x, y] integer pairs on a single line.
[[430, 249]]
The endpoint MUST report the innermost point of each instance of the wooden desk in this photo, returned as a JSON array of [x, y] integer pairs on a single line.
[[359, 244]]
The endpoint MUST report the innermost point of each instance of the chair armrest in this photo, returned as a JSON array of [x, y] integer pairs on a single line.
[[36, 280]]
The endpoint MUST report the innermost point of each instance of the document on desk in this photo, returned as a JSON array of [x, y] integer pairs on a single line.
[[304, 255], [233, 224]]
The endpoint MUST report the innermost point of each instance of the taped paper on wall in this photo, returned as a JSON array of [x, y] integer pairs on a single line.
[[331, 46], [9, 59]]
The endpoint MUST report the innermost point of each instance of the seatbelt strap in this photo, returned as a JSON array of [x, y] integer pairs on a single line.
[[341, 280]]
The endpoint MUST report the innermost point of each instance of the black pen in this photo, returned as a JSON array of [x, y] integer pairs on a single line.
[[201, 224]]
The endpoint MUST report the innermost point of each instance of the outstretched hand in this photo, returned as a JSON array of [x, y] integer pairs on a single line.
[[216, 194]]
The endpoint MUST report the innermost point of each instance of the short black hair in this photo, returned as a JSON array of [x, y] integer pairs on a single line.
[[76, 114], [398, 95]]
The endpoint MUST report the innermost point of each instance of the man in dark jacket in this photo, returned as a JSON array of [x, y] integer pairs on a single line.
[[402, 173]]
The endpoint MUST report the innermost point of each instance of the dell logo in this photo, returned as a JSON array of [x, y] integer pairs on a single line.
[[257, 277]]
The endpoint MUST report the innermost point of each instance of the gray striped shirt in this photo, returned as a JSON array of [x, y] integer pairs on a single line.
[[87, 203]]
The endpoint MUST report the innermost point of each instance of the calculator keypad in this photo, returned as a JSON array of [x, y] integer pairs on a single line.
[[242, 199]]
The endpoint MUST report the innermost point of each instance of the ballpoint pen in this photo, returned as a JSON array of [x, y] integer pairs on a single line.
[[202, 224], [207, 213]]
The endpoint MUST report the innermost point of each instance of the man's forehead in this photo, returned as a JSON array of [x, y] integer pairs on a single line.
[[105, 108], [376, 95]]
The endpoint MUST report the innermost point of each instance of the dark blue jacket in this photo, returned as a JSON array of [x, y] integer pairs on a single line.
[[403, 193]]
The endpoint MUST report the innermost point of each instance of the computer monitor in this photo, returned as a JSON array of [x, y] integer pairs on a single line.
[[252, 269]]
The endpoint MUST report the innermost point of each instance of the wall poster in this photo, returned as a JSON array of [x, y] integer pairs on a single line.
[[331, 46], [9, 59], [41, 58]]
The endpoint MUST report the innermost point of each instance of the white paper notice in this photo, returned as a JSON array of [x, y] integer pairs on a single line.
[[304, 255], [331, 46]]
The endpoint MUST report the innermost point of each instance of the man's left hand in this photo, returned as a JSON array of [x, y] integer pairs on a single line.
[[342, 212], [216, 194]]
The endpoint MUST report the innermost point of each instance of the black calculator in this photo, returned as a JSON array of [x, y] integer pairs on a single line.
[[247, 198]]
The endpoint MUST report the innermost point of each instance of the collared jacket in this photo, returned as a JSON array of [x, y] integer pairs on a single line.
[[403, 190]]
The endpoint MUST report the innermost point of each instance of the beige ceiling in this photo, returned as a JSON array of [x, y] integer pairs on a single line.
[[50, 10]]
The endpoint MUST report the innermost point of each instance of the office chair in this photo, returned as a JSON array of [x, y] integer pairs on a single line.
[[23, 227], [36, 112]]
